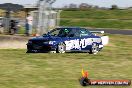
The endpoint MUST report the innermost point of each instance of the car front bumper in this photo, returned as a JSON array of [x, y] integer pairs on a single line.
[[40, 48], [101, 46]]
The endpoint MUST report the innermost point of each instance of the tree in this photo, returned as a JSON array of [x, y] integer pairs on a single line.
[[72, 6], [65, 7], [114, 7], [96, 7], [84, 6], [11, 7]]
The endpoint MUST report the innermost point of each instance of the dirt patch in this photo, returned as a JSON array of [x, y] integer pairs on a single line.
[[13, 42]]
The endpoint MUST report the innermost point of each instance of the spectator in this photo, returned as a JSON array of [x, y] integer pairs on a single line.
[[13, 27], [17, 26], [29, 22]]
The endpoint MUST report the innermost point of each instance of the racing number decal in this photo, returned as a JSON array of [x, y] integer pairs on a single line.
[[72, 44], [78, 44]]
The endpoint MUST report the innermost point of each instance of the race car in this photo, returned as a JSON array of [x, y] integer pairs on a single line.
[[66, 39]]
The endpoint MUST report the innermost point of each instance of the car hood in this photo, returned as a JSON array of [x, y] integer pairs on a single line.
[[45, 38]]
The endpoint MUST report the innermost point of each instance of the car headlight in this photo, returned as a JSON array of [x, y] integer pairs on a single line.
[[49, 42]]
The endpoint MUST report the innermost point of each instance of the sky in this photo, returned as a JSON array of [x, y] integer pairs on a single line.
[[60, 3]]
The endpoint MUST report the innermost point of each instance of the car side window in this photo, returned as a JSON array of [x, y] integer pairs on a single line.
[[77, 33], [84, 33], [74, 33], [55, 32], [64, 32]]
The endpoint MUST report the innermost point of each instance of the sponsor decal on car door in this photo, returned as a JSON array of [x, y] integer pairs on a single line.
[[78, 44]]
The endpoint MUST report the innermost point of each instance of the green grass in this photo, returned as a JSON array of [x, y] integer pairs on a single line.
[[21, 70], [114, 19], [98, 23], [98, 14], [119, 19], [22, 30]]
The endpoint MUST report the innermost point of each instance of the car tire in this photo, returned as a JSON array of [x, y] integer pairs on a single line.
[[61, 48], [94, 49]]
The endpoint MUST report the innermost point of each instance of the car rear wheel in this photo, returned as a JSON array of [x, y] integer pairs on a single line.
[[61, 48], [94, 49]]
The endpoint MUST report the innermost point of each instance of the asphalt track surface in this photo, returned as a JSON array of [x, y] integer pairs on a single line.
[[123, 32]]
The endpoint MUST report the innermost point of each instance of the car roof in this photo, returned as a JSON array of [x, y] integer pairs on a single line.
[[69, 27]]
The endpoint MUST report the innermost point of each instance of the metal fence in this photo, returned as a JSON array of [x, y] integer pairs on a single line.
[[44, 19], [47, 21]]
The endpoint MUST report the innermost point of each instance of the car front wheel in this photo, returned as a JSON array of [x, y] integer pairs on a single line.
[[61, 48], [94, 49]]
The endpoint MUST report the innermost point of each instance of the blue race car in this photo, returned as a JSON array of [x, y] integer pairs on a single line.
[[66, 39]]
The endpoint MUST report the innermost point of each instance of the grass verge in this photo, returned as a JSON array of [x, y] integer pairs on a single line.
[[21, 70], [98, 23], [119, 19]]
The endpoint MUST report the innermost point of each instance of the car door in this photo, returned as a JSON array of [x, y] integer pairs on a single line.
[[86, 39], [73, 42]]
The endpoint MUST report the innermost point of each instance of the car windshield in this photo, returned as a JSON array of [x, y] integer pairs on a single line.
[[70, 32], [60, 32]]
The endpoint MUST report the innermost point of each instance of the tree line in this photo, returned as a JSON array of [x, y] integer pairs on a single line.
[[85, 6]]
